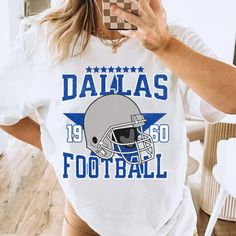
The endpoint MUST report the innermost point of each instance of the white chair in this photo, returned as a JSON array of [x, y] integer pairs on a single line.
[[225, 174], [3, 141]]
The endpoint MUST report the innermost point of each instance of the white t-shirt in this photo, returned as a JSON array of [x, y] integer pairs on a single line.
[[98, 97]]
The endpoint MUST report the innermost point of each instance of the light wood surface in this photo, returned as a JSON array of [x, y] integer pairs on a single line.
[[32, 202]]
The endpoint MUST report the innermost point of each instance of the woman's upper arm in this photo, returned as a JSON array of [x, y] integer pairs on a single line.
[[15, 81]]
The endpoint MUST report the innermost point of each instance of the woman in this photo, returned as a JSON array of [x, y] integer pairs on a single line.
[[112, 124]]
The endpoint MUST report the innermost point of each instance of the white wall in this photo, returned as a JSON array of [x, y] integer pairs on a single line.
[[213, 20], [55, 2], [16, 9], [11, 13], [5, 36]]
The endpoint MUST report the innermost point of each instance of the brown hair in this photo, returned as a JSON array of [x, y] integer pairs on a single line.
[[72, 20]]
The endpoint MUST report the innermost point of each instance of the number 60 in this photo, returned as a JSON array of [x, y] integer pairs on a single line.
[[159, 133]]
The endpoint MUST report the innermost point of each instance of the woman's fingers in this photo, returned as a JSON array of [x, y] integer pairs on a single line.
[[143, 8], [145, 4], [156, 6], [140, 9], [129, 33], [152, 29]]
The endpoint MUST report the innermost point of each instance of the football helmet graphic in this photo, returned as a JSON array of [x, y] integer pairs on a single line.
[[113, 124]]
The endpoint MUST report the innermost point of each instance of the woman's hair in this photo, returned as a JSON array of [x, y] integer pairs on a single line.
[[72, 20]]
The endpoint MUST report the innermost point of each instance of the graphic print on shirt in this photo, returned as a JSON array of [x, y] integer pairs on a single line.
[[114, 127], [117, 132]]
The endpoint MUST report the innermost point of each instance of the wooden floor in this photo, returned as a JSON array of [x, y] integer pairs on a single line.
[[32, 203], [31, 200]]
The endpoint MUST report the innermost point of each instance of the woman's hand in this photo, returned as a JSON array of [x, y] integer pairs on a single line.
[[152, 30], [213, 80]]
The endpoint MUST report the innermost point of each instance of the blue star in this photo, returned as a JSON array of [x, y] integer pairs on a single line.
[[126, 69], [96, 69], [140, 69], [133, 69], [89, 69], [104, 69], [111, 69], [118, 69]]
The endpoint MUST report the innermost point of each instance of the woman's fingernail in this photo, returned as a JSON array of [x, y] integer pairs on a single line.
[[113, 8], [122, 32]]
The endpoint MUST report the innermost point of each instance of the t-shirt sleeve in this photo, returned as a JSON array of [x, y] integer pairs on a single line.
[[15, 81], [194, 105]]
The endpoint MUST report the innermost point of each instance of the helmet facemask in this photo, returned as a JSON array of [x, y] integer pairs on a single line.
[[129, 141]]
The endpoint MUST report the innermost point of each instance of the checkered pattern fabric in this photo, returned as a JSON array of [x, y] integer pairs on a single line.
[[115, 22]]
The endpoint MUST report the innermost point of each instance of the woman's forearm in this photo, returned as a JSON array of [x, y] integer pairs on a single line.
[[213, 80], [26, 130]]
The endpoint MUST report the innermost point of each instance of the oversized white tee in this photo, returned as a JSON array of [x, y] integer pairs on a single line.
[[112, 126]]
